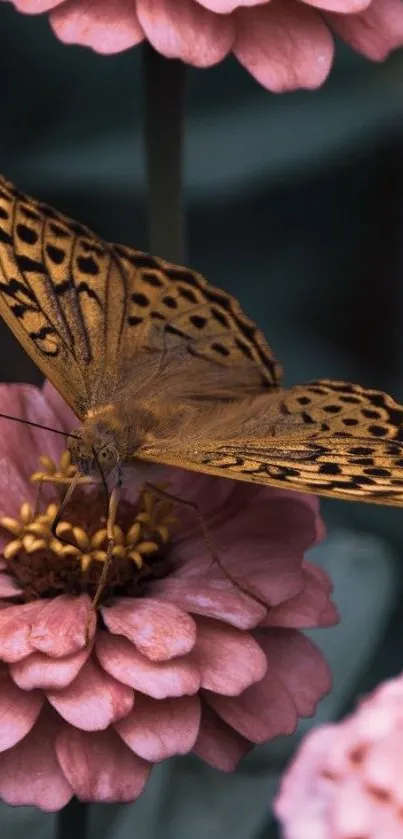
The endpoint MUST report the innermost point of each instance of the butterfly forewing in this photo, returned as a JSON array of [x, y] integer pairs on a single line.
[[87, 312], [109, 325]]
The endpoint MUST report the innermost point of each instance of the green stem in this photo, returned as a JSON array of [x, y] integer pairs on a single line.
[[163, 133], [72, 821]]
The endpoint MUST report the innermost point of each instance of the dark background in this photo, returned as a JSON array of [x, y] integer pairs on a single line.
[[294, 205]]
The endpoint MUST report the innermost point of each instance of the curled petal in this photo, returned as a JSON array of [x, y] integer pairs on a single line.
[[261, 712], [216, 650], [118, 657], [108, 26], [305, 609], [160, 631], [35, 7], [94, 700], [374, 32], [30, 774], [15, 630], [225, 7], [18, 711], [157, 730], [184, 29], [62, 626], [218, 744], [99, 766], [344, 7], [40, 671], [285, 45], [300, 666]]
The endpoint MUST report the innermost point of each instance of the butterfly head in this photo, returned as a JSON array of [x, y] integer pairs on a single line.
[[92, 455]]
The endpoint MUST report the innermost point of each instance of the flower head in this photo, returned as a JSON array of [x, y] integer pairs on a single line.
[[284, 44], [176, 657], [346, 780]]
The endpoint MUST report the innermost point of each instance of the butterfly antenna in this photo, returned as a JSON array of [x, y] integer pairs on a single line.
[[38, 425]]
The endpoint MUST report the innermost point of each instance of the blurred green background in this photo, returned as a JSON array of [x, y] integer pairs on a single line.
[[294, 204]]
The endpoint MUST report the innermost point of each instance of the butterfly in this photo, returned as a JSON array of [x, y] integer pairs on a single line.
[[161, 367]]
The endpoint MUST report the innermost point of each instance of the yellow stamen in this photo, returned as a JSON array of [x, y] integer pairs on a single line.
[[136, 558], [12, 548], [147, 548], [12, 525], [120, 552], [26, 512], [133, 534], [80, 537]]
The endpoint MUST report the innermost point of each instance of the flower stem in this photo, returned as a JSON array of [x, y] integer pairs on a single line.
[[72, 820], [164, 96]]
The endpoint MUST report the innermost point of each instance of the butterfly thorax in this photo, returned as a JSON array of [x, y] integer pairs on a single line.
[[112, 433], [101, 441]]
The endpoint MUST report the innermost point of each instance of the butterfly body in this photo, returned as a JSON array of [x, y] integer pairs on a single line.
[[162, 367]]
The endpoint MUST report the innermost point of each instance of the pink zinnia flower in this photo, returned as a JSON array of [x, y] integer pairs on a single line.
[[178, 659], [285, 44], [346, 781]]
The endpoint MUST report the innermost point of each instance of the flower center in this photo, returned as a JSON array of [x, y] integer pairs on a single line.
[[46, 565]]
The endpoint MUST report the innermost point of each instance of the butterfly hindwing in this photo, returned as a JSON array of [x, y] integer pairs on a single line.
[[290, 439]]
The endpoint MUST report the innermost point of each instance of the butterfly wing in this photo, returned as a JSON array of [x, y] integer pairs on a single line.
[[96, 317], [330, 438]]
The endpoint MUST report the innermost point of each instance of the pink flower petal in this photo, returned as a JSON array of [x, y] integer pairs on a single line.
[[212, 598], [15, 630], [300, 666], [184, 29], [35, 7], [99, 766], [345, 7], [160, 631], [30, 774], [303, 610], [157, 730], [26, 443], [8, 586], [285, 45], [261, 712], [40, 671], [375, 31], [108, 26], [94, 700], [225, 7], [229, 660], [267, 565], [14, 490], [18, 711], [320, 574], [118, 657], [62, 627], [218, 744], [330, 616]]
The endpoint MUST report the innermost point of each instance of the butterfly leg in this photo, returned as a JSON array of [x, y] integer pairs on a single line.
[[110, 529], [191, 505]]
